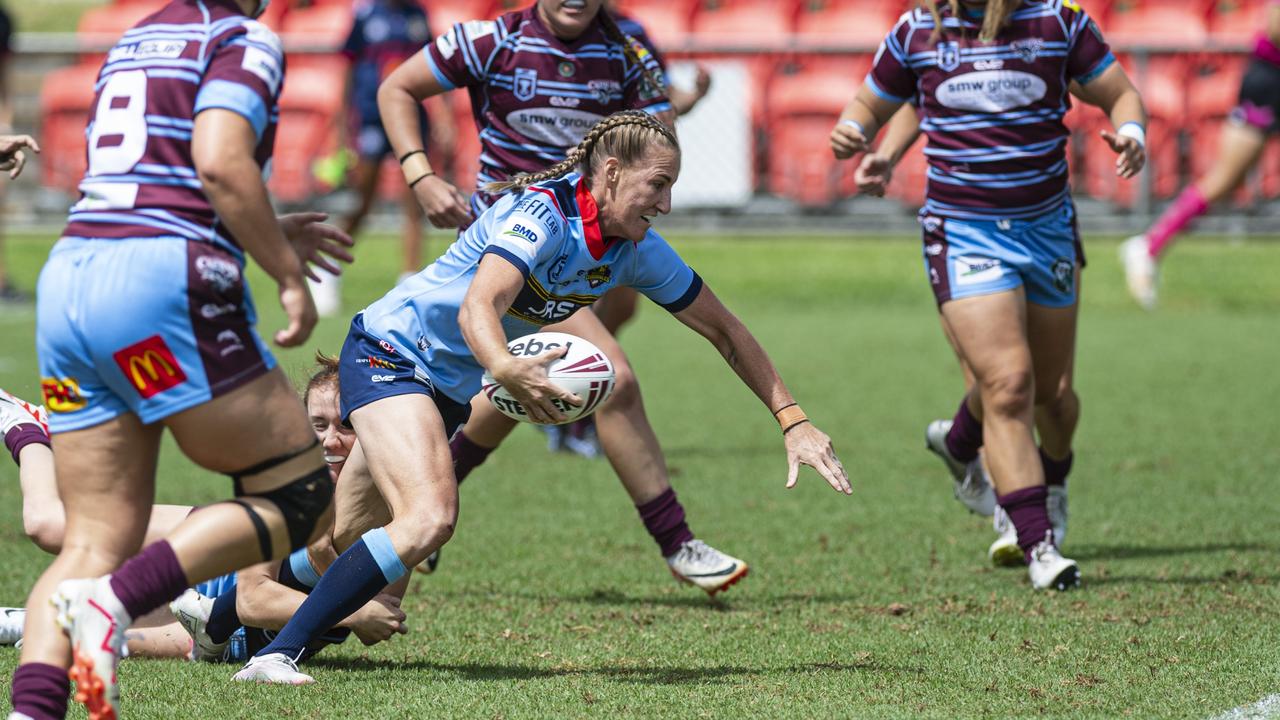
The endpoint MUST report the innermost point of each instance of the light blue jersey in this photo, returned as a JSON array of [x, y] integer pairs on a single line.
[[552, 234]]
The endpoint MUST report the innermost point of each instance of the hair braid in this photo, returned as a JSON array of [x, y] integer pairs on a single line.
[[628, 43], [994, 18], [582, 154]]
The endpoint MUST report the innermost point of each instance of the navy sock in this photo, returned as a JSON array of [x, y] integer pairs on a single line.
[[223, 619], [353, 580]]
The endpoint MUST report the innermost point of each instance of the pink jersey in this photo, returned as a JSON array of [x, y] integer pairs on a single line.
[[993, 112], [1265, 48], [534, 95], [190, 56]]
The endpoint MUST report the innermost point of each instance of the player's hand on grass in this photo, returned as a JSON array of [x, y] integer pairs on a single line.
[[1132, 156], [12, 155], [873, 174], [808, 445], [526, 379], [379, 620], [444, 205], [316, 242], [300, 310], [847, 141]]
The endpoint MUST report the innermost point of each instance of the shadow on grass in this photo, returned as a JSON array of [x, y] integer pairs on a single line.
[[1125, 552], [724, 602], [493, 672], [1229, 577]]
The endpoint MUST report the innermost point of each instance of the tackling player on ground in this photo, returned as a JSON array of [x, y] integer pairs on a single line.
[[991, 81]]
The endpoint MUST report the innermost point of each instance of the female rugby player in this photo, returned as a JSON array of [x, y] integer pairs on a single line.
[[1256, 118], [413, 358], [991, 81], [538, 78], [144, 322]]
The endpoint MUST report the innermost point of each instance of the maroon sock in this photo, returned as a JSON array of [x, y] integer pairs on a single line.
[[663, 517], [965, 436], [22, 436], [149, 579], [1056, 471], [1030, 515], [40, 691], [467, 455]]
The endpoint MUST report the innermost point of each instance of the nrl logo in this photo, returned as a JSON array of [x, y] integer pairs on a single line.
[[598, 276]]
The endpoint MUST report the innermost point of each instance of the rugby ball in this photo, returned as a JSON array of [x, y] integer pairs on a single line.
[[584, 371]]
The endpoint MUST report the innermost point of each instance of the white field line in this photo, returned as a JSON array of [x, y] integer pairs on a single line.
[[1268, 708]]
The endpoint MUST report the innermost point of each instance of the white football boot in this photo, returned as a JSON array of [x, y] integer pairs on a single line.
[[1004, 552], [1141, 273], [1049, 570], [1057, 505], [192, 611], [95, 621], [273, 669], [15, 411], [972, 486], [697, 563], [11, 622]]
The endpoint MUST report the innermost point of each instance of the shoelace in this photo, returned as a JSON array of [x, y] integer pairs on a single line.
[[699, 552]]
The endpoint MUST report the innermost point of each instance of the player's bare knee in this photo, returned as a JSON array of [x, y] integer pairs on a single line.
[[1008, 393], [427, 528], [626, 389]]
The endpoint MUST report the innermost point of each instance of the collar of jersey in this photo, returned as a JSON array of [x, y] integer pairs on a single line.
[[597, 243]]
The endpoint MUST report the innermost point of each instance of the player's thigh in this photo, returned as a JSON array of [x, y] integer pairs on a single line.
[[357, 502], [991, 333], [404, 441], [258, 421], [106, 480]]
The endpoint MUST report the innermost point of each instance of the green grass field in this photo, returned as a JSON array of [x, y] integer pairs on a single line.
[[551, 601]]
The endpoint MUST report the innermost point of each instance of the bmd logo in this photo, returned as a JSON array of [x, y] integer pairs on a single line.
[[150, 366]]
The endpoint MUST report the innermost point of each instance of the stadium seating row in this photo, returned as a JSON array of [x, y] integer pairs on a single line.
[[798, 97]]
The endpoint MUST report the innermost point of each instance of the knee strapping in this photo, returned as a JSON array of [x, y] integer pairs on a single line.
[[302, 502]]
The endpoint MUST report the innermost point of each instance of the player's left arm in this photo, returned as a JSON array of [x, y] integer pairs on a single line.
[[805, 443], [1115, 95]]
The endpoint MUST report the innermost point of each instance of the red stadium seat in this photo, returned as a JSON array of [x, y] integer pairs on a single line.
[[66, 98], [310, 106], [444, 14], [1237, 21], [864, 24], [744, 22], [666, 21], [105, 24], [802, 109], [1178, 24], [324, 26]]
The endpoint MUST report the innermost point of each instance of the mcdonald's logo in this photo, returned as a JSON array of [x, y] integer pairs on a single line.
[[62, 395], [150, 366]]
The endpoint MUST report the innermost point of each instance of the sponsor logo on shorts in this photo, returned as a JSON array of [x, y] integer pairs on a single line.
[[973, 271], [423, 343], [62, 395], [1064, 275], [210, 311], [219, 273], [382, 378], [387, 346], [933, 249], [150, 366], [377, 362], [230, 342]]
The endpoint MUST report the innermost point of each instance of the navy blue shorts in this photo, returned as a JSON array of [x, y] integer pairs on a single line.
[[370, 368]]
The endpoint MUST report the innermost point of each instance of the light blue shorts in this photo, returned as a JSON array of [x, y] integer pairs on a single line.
[[966, 258], [152, 326]]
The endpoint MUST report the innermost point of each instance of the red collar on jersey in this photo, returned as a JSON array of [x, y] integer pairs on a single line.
[[597, 243]]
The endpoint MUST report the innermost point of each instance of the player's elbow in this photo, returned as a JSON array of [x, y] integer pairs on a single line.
[[46, 530]]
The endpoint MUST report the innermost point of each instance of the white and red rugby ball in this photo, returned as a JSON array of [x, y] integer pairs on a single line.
[[584, 371]]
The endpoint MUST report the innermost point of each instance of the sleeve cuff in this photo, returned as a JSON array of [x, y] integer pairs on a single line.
[[510, 257], [237, 98], [445, 82], [687, 298], [875, 88], [1097, 70]]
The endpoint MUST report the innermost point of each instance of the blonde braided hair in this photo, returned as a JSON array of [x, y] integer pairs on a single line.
[[624, 135], [994, 18]]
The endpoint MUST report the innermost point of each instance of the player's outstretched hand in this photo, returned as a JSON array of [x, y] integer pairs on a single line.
[[847, 141], [1132, 156], [808, 445], [300, 310], [316, 242], [873, 174], [379, 619], [526, 379], [12, 157], [444, 205]]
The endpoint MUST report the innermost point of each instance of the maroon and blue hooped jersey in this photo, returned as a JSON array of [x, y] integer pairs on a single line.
[[534, 95], [993, 112], [190, 56]]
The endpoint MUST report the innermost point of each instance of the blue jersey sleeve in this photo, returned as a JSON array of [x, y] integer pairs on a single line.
[[529, 232], [663, 276]]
